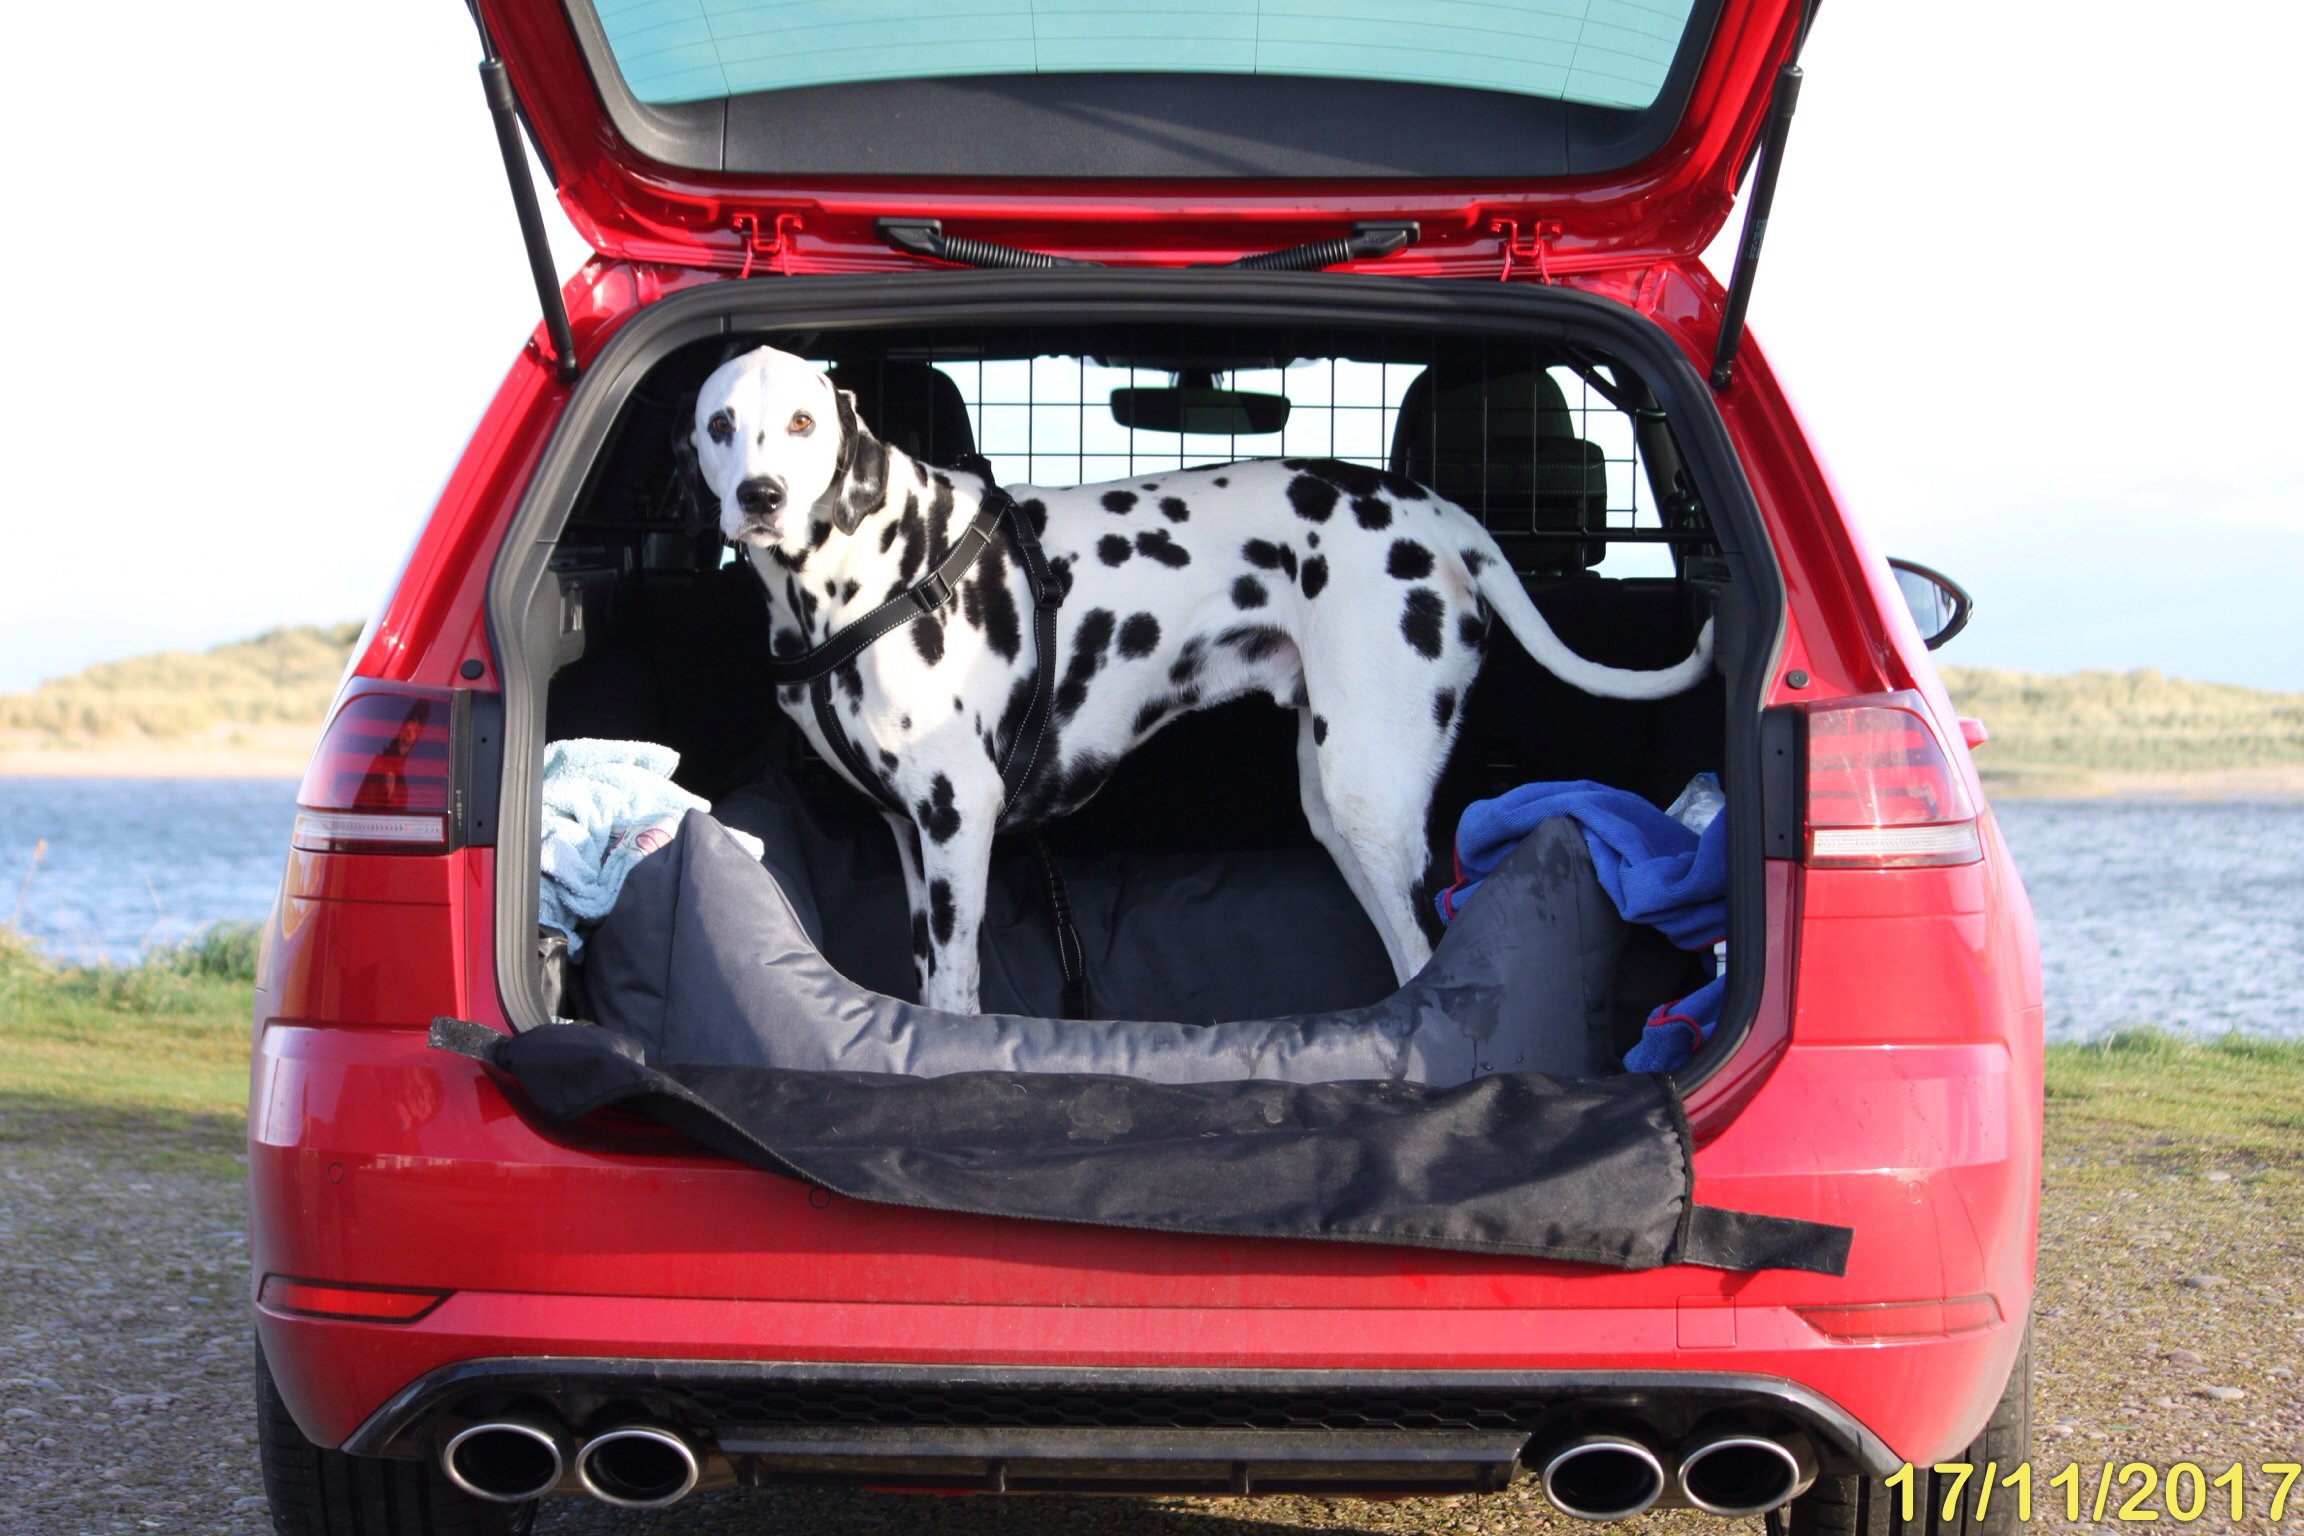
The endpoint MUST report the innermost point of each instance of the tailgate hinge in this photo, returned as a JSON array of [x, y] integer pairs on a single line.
[[771, 244], [1533, 250]]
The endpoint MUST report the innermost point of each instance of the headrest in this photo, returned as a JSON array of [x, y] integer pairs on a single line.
[[911, 406], [1501, 443]]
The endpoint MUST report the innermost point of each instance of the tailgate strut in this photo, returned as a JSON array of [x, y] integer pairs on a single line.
[[505, 109], [1772, 137]]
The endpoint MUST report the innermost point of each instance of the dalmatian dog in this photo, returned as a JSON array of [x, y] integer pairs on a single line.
[[1352, 594]]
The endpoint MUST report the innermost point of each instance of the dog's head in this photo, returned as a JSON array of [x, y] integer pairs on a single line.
[[781, 452]]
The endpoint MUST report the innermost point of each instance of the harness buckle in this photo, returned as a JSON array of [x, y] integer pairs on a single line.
[[933, 592]]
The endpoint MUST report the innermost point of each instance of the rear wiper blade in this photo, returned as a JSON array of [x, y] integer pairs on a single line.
[[1367, 242], [926, 237]]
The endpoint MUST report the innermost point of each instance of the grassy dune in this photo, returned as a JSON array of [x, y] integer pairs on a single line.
[[251, 706], [2115, 730]]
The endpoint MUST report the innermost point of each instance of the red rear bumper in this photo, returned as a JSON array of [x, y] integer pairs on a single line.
[[380, 1161]]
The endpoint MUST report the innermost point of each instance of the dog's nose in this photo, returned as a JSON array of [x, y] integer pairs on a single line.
[[760, 496]]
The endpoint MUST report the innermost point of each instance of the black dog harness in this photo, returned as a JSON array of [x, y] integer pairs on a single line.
[[925, 598]]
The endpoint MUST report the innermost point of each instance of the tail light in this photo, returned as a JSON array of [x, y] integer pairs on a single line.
[[1878, 1322], [383, 777], [1881, 793]]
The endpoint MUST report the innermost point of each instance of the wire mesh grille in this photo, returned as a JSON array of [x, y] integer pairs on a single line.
[[1563, 453], [995, 1408]]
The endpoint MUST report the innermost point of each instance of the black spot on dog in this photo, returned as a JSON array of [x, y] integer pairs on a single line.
[[1420, 621], [1268, 556], [1155, 544], [940, 912], [1409, 560], [1089, 643], [791, 693], [1360, 480], [903, 722], [1255, 642], [1003, 626], [1151, 486], [956, 704], [787, 642], [1114, 549], [850, 680], [887, 759], [1189, 661], [940, 521], [1248, 592], [1173, 508], [937, 815], [1474, 561], [1299, 696], [1372, 511], [1444, 707], [1140, 636], [1315, 575], [1471, 630], [1153, 712], [928, 638], [920, 950], [1119, 501], [1314, 499], [1003, 736], [848, 589], [1035, 512], [888, 532], [1319, 730], [987, 604], [1061, 569], [1312, 538], [817, 534], [1221, 482], [915, 534]]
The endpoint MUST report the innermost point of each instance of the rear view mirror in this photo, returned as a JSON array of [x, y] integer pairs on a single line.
[[1940, 606], [1194, 404]]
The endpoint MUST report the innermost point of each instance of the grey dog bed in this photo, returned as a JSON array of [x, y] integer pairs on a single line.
[[1455, 1112]]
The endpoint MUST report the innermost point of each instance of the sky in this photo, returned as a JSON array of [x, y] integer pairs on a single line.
[[2026, 279]]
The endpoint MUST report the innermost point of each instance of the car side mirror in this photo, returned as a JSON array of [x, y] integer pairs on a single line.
[[1940, 606]]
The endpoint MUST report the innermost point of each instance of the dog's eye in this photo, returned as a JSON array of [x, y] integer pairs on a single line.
[[722, 426], [802, 422]]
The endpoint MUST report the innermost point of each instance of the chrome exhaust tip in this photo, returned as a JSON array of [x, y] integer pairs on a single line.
[[1744, 1474], [1603, 1477], [508, 1461], [638, 1466]]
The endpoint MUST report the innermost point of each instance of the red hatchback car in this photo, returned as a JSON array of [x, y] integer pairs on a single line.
[[1458, 244]]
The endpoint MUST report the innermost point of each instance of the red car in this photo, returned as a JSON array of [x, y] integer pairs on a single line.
[[1459, 244]]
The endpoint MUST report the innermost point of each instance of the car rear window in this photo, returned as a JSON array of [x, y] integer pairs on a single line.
[[1609, 53]]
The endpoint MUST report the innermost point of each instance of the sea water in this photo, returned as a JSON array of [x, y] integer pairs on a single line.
[[2188, 915]]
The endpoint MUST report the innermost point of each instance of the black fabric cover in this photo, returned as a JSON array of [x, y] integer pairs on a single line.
[[711, 958]]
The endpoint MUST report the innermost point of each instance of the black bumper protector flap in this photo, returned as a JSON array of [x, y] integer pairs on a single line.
[[1514, 1163]]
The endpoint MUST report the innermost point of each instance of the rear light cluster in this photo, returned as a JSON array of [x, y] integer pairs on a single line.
[[383, 777], [1881, 792]]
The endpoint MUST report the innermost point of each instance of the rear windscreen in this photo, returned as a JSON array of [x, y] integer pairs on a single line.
[[1608, 53]]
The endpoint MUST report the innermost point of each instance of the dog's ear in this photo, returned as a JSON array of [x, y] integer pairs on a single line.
[[691, 498], [860, 477]]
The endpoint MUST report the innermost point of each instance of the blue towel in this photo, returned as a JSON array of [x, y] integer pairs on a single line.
[[607, 805], [1654, 869]]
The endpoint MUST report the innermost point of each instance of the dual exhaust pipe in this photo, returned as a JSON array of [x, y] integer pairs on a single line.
[[512, 1460], [1732, 1473]]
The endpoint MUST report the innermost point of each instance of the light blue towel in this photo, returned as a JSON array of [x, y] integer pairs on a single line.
[[607, 805]]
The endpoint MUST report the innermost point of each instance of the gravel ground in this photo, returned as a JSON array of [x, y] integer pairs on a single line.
[[2171, 1327]]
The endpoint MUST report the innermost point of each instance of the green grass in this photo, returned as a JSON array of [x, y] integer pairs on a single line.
[[150, 1059], [2145, 1095]]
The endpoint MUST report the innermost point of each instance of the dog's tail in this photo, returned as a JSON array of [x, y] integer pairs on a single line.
[[1504, 593]]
